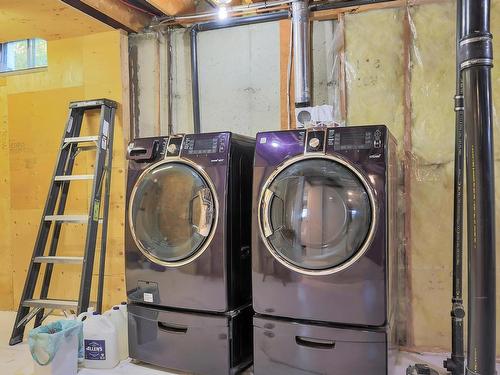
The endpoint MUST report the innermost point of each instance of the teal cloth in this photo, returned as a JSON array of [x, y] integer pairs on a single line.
[[47, 339]]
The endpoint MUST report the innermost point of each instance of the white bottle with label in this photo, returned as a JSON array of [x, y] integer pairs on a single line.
[[100, 342], [118, 320]]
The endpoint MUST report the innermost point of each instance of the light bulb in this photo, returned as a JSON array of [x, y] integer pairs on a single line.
[[222, 13]]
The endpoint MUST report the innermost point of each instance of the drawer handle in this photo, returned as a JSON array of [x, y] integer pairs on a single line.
[[170, 328], [314, 343], [138, 151]]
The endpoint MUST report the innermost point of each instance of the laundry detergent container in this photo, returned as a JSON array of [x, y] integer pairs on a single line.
[[193, 342], [283, 347]]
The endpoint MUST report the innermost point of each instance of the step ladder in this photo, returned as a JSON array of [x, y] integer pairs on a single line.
[[54, 216]]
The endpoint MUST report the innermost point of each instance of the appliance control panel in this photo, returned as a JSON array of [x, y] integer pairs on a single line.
[[356, 138], [205, 144]]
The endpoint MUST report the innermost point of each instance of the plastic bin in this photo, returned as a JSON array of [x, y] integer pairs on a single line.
[[55, 347]]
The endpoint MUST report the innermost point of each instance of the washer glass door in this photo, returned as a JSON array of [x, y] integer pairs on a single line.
[[172, 212], [316, 214]]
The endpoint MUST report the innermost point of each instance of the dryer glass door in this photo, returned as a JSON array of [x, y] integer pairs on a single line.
[[172, 212], [316, 214]]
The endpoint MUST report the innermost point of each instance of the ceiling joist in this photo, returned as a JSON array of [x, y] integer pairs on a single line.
[[115, 13], [173, 7]]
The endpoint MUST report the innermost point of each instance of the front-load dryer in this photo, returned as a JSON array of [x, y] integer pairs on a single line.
[[187, 232], [323, 246]]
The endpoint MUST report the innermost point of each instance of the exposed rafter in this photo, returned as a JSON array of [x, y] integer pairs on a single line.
[[173, 7], [115, 13]]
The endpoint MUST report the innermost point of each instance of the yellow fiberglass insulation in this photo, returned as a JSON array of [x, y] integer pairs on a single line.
[[433, 82], [374, 69]]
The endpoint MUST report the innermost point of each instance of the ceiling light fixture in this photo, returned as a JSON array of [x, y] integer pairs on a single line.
[[222, 12]]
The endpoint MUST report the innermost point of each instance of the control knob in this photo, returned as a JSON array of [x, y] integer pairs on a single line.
[[172, 148], [314, 142]]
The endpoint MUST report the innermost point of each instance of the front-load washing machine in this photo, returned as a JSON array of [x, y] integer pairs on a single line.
[[187, 232], [324, 256]]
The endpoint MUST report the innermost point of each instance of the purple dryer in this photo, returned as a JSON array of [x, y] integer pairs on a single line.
[[323, 224], [324, 253], [187, 232]]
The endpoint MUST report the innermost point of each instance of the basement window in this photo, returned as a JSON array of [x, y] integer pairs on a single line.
[[22, 55]]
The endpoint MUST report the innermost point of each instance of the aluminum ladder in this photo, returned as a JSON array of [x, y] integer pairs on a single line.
[[54, 217]]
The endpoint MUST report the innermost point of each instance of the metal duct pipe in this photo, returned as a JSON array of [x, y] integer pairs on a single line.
[[476, 61], [301, 28]]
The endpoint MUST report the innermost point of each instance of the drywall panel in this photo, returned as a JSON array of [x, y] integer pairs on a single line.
[[433, 82], [374, 69], [239, 79]]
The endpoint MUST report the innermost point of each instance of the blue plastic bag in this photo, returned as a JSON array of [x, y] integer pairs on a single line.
[[46, 340]]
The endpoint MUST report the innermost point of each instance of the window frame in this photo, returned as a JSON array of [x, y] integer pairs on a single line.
[[31, 44]]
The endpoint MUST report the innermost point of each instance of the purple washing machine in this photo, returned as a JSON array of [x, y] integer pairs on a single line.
[[187, 232], [187, 251], [324, 250]]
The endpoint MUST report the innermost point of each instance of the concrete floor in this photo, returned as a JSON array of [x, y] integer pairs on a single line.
[[16, 360]]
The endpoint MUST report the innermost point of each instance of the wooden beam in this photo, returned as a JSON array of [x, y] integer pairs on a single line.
[[173, 7], [114, 13], [331, 14], [342, 77], [408, 170], [287, 103]]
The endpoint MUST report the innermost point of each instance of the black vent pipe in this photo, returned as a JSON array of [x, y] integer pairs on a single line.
[[456, 363], [476, 61]]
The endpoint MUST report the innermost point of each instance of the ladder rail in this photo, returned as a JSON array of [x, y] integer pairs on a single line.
[[104, 233], [56, 199], [105, 127], [41, 239]]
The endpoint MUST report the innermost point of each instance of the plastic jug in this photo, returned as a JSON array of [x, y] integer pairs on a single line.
[[123, 309], [118, 320], [100, 341]]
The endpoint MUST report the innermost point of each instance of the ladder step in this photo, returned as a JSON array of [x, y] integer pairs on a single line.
[[75, 177], [93, 104], [68, 218], [58, 259], [51, 304], [90, 138], [78, 219]]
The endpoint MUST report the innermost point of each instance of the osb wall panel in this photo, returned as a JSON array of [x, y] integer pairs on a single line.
[[80, 68], [5, 254]]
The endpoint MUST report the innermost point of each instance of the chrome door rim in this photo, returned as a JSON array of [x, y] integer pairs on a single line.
[[368, 240], [197, 253]]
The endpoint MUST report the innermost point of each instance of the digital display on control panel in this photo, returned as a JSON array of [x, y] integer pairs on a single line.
[[361, 139], [200, 146], [203, 144]]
